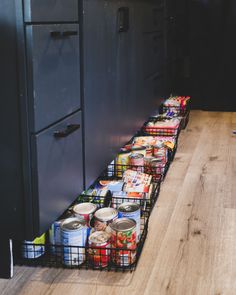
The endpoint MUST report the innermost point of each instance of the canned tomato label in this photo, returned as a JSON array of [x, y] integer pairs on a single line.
[[34, 249], [123, 238], [122, 161], [132, 211], [84, 211], [104, 217], [98, 252], [55, 237], [73, 239]]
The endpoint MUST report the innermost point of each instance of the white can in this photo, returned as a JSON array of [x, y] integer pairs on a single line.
[[55, 237], [73, 239]]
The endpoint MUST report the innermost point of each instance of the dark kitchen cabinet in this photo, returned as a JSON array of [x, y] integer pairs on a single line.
[[78, 79]]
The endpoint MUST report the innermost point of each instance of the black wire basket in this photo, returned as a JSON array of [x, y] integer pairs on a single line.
[[124, 256]]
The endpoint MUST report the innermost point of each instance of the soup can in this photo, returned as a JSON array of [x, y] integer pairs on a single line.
[[34, 249], [123, 239], [73, 239], [99, 249], [84, 211], [132, 211], [104, 217]]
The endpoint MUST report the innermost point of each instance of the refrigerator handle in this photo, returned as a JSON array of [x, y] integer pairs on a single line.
[[123, 19]]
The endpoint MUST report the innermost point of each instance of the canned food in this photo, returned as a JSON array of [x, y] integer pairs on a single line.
[[160, 153], [149, 151], [139, 150], [123, 238], [138, 161], [98, 252], [122, 160], [84, 211], [73, 239], [132, 211], [34, 249], [55, 237], [104, 217], [147, 164]]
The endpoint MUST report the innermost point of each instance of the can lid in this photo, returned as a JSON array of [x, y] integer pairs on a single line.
[[84, 208], [123, 224], [99, 237], [106, 214], [128, 207], [72, 224]]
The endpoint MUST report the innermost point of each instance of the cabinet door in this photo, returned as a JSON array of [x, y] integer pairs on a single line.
[[51, 10], [57, 170], [153, 53], [153, 13], [53, 72]]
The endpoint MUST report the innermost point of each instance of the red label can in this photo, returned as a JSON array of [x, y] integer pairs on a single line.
[[99, 249]]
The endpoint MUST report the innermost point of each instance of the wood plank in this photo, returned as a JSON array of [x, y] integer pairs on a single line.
[[191, 242]]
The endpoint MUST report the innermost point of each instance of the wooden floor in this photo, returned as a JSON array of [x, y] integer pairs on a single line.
[[191, 244]]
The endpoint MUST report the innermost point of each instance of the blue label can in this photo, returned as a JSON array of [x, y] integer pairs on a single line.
[[73, 239]]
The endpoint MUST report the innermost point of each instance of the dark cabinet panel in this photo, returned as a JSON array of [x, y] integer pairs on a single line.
[[57, 169], [51, 10], [53, 71], [153, 53]]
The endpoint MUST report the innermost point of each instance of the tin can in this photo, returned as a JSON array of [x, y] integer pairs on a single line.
[[55, 237], [149, 151], [34, 249], [84, 211], [132, 211], [123, 239], [137, 162], [122, 161], [160, 153], [73, 239], [99, 249], [104, 217], [137, 149], [147, 164]]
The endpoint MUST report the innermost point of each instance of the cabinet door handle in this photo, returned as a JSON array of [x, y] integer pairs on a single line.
[[69, 129], [69, 33]]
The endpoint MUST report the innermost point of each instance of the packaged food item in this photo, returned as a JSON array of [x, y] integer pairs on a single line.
[[84, 211], [123, 239], [99, 249], [73, 238], [34, 249], [131, 211], [104, 217]]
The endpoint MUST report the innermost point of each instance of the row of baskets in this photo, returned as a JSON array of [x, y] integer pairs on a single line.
[[133, 178]]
